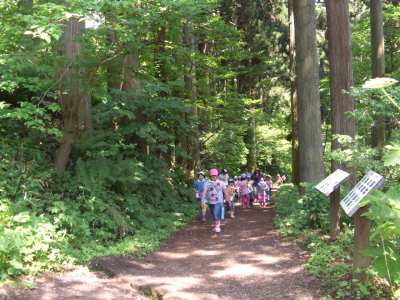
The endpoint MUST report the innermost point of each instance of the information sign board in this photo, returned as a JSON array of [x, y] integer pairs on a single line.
[[370, 181], [330, 183]]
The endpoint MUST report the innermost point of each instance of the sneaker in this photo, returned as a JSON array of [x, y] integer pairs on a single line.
[[203, 219], [218, 229]]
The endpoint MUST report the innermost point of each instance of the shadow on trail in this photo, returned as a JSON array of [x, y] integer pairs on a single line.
[[246, 261]]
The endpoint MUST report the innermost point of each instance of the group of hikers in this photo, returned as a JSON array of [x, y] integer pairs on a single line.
[[220, 192]]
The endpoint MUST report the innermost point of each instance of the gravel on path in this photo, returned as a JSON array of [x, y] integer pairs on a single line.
[[247, 260]]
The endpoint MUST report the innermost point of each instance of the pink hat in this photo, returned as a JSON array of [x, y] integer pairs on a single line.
[[213, 172]]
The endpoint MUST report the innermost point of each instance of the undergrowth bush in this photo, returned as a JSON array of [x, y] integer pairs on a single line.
[[103, 206], [331, 261], [384, 246], [296, 212], [305, 215]]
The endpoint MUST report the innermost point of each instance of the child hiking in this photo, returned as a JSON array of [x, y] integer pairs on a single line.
[[214, 192], [244, 192], [198, 187], [229, 194], [262, 188]]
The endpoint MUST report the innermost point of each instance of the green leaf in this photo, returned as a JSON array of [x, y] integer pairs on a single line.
[[392, 157]]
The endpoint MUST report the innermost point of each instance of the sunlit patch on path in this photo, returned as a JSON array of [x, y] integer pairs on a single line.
[[247, 260]]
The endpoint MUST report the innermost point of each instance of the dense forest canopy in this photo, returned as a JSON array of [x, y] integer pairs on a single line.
[[109, 108]]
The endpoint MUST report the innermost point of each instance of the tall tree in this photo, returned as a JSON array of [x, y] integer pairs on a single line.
[[361, 223], [307, 83], [190, 81], [378, 64], [252, 140], [71, 91], [293, 95], [245, 15], [341, 80]]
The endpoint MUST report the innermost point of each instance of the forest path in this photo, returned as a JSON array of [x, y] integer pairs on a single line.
[[247, 260]]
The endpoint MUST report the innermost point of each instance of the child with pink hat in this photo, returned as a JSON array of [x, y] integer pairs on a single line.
[[214, 192]]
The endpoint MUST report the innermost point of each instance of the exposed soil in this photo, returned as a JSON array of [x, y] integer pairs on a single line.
[[247, 260]]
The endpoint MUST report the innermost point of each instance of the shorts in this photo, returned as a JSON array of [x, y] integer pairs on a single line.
[[216, 211]]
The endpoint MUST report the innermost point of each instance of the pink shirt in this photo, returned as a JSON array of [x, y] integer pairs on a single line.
[[243, 188]]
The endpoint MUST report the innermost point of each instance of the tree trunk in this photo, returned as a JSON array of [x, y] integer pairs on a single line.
[[190, 82], [293, 96], [341, 79], [85, 112], [245, 13], [252, 156], [378, 65], [129, 82], [130, 65], [377, 39], [362, 224], [311, 167], [71, 94], [114, 67], [25, 6]]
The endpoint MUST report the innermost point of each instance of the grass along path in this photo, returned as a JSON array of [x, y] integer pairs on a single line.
[[248, 260]]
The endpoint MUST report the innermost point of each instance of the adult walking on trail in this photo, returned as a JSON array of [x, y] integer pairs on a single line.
[[214, 192]]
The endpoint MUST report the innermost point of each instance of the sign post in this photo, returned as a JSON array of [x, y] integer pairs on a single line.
[[332, 182]]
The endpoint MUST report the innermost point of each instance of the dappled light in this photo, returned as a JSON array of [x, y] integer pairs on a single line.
[[199, 149], [248, 256]]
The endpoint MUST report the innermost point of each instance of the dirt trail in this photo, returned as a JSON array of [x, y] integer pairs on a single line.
[[246, 261]]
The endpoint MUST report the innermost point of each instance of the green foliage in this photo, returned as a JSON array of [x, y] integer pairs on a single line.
[[361, 46], [273, 149], [392, 156], [108, 207], [331, 262], [384, 212], [125, 188], [228, 147], [296, 212], [28, 243]]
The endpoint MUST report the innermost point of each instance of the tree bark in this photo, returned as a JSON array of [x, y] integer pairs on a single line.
[[362, 224], [25, 6], [293, 96], [307, 81], [377, 39], [245, 13], [191, 87], [85, 113], [341, 80], [252, 156], [114, 67], [71, 94], [378, 65]]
